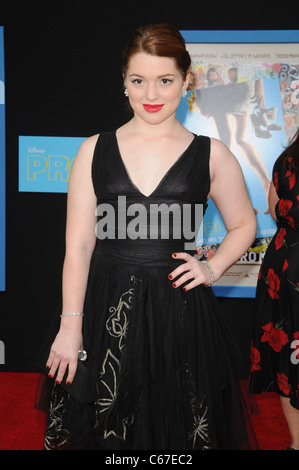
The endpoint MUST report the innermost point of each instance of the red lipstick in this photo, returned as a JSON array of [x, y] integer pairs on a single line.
[[153, 108]]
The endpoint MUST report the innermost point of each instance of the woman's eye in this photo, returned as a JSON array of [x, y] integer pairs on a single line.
[[165, 81], [137, 80]]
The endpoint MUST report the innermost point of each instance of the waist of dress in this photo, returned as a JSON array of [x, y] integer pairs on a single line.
[[148, 253]]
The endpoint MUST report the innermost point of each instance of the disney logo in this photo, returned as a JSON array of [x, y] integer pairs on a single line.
[[35, 150]]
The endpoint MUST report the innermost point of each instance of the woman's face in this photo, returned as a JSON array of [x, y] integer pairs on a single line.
[[155, 87]]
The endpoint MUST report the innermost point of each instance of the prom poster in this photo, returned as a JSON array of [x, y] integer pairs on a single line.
[[2, 164], [244, 90]]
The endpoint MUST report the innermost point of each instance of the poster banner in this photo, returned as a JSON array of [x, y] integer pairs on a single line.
[[2, 163], [245, 92], [45, 163]]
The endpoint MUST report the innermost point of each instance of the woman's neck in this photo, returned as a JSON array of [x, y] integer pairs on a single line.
[[153, 131]]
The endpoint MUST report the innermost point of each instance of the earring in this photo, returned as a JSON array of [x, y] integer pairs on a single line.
[[184, 93], [126, 92]]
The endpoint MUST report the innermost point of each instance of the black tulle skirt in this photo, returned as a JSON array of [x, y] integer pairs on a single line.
[[162, 368]]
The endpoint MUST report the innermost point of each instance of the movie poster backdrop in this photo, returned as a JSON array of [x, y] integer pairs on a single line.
[[244, 91]]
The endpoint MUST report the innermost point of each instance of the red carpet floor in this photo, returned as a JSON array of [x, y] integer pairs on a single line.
[[21, 426]]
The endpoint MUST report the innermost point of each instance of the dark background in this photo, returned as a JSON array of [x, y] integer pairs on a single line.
[[63, 78]]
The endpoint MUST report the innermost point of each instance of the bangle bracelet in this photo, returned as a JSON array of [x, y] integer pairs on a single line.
[[71, 314], [211, 272]]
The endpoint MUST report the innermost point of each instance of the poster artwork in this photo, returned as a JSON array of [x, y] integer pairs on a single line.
[[246, 95]]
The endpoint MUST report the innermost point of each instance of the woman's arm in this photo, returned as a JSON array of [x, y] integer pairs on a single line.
[[229, 193], [80, 242], [272, 200]]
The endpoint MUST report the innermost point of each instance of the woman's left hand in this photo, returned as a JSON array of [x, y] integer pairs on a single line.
[[192, 270]]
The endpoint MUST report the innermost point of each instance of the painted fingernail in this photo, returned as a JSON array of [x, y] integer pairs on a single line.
[[57, 382], [48, 367], [174, 255], [184, 288], [68, 382], [170, 276], [174, 284], [51, 376]]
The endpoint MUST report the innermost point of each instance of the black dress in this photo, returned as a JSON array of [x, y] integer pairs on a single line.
[[274, 359], [160, 359]]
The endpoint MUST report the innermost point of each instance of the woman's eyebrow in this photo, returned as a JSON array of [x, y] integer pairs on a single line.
[[159, 76]]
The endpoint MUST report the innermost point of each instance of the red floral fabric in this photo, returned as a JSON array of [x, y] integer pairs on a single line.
[[275, 338]]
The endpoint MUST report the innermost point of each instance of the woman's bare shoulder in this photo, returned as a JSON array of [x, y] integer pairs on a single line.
[[86, 149], [218, 148], [90, 142]]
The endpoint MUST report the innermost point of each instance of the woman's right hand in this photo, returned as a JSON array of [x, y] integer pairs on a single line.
[[64, 353]]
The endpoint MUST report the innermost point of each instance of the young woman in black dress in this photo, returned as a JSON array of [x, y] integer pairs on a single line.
[[160, 358]]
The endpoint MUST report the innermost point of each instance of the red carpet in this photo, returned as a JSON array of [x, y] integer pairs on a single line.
[[21, 426]]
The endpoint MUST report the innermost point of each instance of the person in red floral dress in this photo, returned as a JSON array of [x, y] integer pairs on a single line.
[[275, 342]]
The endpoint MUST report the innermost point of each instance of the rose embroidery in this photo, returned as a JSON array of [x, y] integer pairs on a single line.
[[276, 337], [291, 173], [291, 221], [284, 206], [285, 265], [273, 284], [283, 384], [280, 238], [255, 358]]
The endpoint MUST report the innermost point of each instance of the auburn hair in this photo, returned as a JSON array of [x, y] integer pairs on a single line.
[[160, 40]]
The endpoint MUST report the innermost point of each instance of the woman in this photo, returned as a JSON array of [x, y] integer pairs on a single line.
[[274, 360], [159, 373]]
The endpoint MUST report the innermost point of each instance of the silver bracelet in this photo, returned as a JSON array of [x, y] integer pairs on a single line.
[[212, 272], [70, 314]]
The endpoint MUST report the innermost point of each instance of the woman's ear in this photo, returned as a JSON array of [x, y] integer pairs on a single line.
[[124, 80], [187, 79]]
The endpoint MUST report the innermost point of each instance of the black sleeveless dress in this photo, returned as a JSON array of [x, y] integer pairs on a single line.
[[160, 359], [275, 341]]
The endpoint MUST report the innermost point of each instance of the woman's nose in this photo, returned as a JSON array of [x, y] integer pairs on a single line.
[[152, 92]]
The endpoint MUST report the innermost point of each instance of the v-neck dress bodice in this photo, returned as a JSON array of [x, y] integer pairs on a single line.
[[183, 179], [164, 177], [180, 196]]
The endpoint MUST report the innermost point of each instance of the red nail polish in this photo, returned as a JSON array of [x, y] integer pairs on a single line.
[[174, 255], [184, 288], [174, 284], [170, 276], [68, 383], [48, 367], [57, 382], [51, 376]]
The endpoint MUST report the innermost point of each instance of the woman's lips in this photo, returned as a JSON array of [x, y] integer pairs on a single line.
[[153, 108]]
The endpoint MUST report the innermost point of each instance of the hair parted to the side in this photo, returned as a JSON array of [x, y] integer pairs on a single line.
[[160, 40]]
